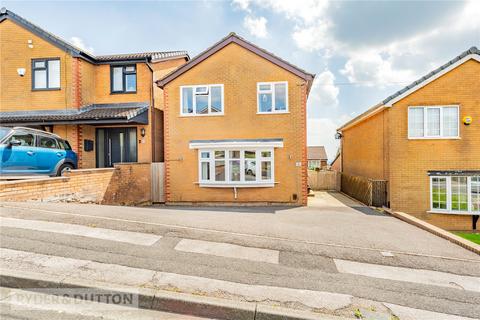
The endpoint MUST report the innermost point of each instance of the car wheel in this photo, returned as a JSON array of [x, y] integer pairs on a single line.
[[64, 168]]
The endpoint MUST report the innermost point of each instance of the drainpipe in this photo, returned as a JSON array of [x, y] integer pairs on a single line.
[[152, 112]]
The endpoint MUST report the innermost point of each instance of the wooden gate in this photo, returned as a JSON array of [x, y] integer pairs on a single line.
[[158, 182], [324, 180]]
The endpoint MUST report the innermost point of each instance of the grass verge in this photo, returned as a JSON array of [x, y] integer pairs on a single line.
[[474, 237]]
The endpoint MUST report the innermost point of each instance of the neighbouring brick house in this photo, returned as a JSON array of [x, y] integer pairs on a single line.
[[235, 127], [106, 106], [423, 142], [317, 157]]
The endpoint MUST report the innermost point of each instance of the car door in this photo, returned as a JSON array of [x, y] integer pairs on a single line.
[[22, 158], [49, 154]]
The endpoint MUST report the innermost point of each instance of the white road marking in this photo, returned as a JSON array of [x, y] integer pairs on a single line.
[[249, 235], [17, 262], [228, 250], [143, 239], [429, 277], [387, 254], [406, 313]]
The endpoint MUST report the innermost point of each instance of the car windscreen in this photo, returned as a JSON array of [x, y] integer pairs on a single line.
[[4, 132]]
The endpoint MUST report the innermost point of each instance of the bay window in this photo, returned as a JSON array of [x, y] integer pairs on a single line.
[[455, 194], [433, 122], [236, 167], [201, 100], [272, 97]]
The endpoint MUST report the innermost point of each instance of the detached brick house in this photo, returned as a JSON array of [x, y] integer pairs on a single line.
[[425, 141], [106, 106], [235, 127], [317, 157]]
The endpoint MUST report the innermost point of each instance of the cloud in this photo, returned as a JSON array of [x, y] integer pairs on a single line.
[[324, 93], [79, 43], [303, 12], [321, 132], [242, 4], [256, 26], [382, 43], [372, 69]]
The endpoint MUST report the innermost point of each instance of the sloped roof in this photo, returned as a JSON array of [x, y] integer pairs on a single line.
[[80, 53], [153, 56], [234, 38], [316, 153], [122, 112], [472, 53]]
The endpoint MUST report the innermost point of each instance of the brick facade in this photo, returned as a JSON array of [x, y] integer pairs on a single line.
[[81, 83], [239, 70], [379, 148], [126, 184]]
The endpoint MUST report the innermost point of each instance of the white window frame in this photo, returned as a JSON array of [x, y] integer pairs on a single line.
[[449, 210], [425, 122], [272, 91], [259, 182], [210, 113]]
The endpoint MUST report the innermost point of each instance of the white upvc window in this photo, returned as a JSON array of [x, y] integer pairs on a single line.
[[455, 194], [201, 100], [272, 97], [433, 122], [236, 167]]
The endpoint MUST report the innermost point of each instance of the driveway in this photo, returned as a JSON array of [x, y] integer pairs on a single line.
[[331, 223]]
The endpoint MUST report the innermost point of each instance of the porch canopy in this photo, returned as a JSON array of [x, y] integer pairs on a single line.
[[95, 114]]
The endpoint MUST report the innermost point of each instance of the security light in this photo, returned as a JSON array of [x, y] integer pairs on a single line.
[[21, 72]]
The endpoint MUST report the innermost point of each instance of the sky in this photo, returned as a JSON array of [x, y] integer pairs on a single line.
[[360, 51]]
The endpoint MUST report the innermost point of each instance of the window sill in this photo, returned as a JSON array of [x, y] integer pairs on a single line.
[[124, 92], [201, 115], [274, 112], [237, 185], [47, 89], [461, 213], [434, 138]]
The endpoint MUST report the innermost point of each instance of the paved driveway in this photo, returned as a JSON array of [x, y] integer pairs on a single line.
[[331, 220]]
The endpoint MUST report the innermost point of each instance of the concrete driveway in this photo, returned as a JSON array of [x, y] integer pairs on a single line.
[[331, 221]]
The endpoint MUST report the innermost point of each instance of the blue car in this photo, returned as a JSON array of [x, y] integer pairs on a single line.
[[25, 151]]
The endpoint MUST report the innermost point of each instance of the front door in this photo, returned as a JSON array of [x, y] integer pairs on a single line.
[[115, 145]]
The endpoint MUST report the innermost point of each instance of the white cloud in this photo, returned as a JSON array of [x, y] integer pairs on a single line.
[[242, 4], [256, 26], [321, 132], [371, 69], [79, 43], [313, 38], [305, 11], [324, 93]]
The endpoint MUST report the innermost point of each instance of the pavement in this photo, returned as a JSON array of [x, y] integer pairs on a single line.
[[334, 256]]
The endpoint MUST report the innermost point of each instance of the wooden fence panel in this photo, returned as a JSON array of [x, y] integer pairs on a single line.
[[368, 191], [324, 180], [158, 182]]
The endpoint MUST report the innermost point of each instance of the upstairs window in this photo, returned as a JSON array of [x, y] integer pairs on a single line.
[[272, 97], [201, 100], [46, 74], [123, 79], [433, 122]]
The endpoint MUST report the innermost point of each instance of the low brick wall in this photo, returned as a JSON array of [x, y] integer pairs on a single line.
[[125, 184]]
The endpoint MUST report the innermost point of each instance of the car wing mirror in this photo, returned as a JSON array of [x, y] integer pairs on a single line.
[[15, 143]]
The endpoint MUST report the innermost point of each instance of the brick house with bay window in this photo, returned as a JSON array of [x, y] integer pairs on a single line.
[[235, 127], [425, 141]]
